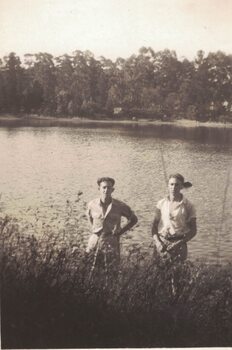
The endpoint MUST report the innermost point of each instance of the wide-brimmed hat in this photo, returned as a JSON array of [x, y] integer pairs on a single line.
[[178, 176]]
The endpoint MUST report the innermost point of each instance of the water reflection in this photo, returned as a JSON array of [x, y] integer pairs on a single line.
[[202, 134]]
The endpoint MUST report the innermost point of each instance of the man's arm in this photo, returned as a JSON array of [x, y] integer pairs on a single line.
[[192, 233], [89, 216], [159, 245], [132, 221], [192, 222], [193, 230]]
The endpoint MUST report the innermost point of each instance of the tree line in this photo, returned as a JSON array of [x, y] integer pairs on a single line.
[[154, 85]]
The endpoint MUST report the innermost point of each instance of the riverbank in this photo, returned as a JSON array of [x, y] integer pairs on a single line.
[[186, 123], [49, 300]]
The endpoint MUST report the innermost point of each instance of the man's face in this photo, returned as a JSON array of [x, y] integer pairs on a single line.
[[106, 188], [174, 186]]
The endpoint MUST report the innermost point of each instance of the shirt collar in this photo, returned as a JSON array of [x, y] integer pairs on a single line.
[[183, 200], [108, 208], [100, 202]]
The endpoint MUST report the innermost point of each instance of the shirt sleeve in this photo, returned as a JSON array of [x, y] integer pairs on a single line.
[[126, 211], [159, 204], [88, 213], [191, 211]]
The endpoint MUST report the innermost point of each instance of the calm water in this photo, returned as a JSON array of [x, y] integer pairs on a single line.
[[43, 167]]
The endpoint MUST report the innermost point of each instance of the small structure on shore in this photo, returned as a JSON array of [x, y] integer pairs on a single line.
[[118, 110]]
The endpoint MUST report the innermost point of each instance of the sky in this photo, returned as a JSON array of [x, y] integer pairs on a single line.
[[115, 28]]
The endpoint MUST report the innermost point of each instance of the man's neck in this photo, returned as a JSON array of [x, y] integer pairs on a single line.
[[177, 198], [105, 201]]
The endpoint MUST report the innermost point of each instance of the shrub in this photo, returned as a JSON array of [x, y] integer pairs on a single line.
[[49, 301]]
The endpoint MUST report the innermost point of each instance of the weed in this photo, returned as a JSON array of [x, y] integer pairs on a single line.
[[48, 301]]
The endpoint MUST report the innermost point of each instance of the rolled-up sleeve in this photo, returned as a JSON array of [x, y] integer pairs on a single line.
[[88, 213]]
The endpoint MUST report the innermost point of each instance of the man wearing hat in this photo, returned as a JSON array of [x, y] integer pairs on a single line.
[[174, 222]]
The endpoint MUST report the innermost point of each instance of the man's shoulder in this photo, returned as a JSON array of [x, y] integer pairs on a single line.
[[161, 202], [190, 207], [93, 202], [122, 208], [119, 203], [187, 202]]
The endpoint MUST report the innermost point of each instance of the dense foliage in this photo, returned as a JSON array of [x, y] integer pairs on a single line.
[[154, 85], [49, 301]]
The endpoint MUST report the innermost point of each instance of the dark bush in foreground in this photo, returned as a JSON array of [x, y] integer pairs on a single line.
[[48, 301]]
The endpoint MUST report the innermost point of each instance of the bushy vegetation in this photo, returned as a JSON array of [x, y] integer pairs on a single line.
[[49, 301], [153, 85]]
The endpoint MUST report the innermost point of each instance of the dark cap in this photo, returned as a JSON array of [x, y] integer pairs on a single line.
[[106, 179]]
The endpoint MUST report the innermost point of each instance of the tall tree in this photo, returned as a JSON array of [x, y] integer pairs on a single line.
[[64, 79], [44, 71], [13, 82], [219, 82]]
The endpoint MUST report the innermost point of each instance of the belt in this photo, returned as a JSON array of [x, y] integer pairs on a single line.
[[102, 233], [172, 238]]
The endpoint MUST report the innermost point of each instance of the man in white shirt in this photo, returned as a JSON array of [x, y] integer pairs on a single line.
[[174, 222]]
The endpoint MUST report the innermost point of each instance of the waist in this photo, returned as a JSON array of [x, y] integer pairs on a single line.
[[172, 238], [104, 233], [107, 227]]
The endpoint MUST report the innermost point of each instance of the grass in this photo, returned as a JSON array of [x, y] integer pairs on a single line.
[[48, 301]]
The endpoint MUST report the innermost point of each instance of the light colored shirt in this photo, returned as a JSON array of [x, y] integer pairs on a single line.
[[110, 221], [175, 222]]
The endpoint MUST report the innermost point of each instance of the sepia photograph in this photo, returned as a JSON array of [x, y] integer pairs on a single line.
[[115, 174]]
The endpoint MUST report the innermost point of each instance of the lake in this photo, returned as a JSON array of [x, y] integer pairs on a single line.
[[44, 167]]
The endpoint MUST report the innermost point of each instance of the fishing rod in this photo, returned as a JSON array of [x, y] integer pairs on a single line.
[[220, 231], [94, 260], [163, 162]]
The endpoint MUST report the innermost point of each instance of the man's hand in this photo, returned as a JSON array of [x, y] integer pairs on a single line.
[[172, 246], [161, 247], [131, 222], [92, 242]]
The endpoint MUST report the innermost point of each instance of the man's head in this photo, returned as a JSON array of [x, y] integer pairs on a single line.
[[106, 187], [176, 183], [180, 179]]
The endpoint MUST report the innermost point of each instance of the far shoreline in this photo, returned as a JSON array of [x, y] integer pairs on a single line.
[[60, 121]]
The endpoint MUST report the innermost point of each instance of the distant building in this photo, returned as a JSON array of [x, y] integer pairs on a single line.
[[117, 110], [211, 107], [227, 105]]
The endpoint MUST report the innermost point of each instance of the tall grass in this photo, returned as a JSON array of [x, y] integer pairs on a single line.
[[48, 301]]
